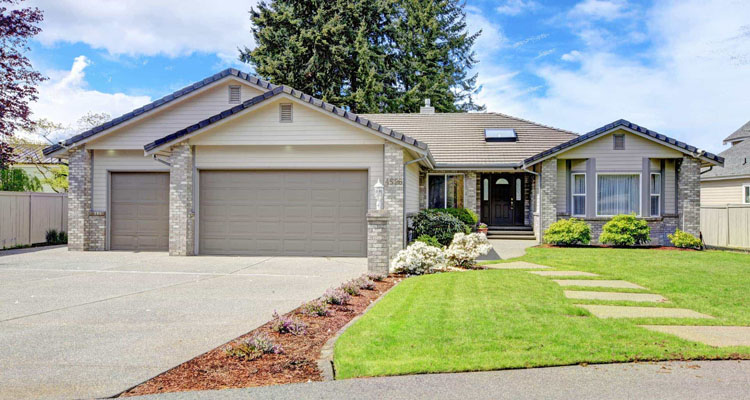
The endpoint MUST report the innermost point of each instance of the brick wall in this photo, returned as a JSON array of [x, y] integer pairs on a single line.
[[393, 163], [181, 215], [689, 195], [377, 241], [79, 198], [548, 194], [96, 231]]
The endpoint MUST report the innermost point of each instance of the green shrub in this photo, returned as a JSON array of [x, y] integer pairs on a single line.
[[625, 230], [51, 236], [441, 226], [685, 240], [62, 237], [567, 232], [468, 217], [429, 240]]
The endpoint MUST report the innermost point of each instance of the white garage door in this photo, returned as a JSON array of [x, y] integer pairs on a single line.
[[290, 213]]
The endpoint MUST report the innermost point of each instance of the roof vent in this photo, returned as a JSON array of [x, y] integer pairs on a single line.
[[285, 112], [234, 95], [427, 109], [619, 142], [500, 135]]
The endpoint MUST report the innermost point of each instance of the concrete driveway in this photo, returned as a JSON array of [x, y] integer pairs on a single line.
[[82, 325]]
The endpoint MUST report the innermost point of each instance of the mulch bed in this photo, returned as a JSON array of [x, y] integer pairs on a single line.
[[217, 370]]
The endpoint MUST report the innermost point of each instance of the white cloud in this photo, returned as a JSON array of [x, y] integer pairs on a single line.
[[65, 97], [492, 37], [137, 27], [515, 7], [529, 40], [572, 56], [607, 10]]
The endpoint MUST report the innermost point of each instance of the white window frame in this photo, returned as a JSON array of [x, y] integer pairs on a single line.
[[651, 194], [573, 194], [445, 189], [640, 195], [745, 188]]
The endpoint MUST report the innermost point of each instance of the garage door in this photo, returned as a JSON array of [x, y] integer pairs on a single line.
[[294, 213], [139, 211]]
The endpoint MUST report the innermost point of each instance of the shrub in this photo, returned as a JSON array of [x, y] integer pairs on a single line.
[[465, 215], [685, 240], [336, 296], [51, 236], [625, 230], [373, 276], [316, 308], [62, 237], [567, 232], [418, 259], [365, 283], [465, 249], [440, 225], [351, 287], [255, 347], [286, 324], [429, 240]]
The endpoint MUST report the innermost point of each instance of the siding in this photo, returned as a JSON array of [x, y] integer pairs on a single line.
[[173, 118], [669, 187], [295, 157], [118, 160], [630, 159], [562, 175], [309, 126], [727, 191], [412, 186]]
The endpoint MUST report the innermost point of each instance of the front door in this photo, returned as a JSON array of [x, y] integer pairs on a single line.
[[501, 200]]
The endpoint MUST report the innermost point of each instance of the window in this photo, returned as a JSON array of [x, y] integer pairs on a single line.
[[655, 194], [618, 194], [285, 112], [518, 189], [746, 192], [501, 181], [578, 192], [234, 94], [486, 190], [619, 142], [445, 191]]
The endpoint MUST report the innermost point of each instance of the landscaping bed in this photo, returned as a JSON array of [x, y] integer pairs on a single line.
[[217, 369]]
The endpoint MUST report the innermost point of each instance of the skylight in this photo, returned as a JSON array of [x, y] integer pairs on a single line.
[[500, 135]]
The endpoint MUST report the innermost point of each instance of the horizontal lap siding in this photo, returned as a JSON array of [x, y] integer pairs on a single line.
[[412, 187], [630, 159], [118, 160], [727, 191]]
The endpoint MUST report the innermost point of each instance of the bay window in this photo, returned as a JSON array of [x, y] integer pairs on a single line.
[[578, 192], [655, 186], [618, 194], [445, 191]]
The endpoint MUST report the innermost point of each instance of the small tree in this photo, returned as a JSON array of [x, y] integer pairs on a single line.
[[17, 180]]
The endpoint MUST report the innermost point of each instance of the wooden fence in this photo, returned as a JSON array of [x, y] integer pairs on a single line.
[[726, 225], [25, 217]]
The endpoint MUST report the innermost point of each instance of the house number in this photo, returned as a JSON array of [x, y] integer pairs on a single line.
[[394, 181]]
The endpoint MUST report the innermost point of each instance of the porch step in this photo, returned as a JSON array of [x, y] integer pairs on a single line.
[[511, 234]]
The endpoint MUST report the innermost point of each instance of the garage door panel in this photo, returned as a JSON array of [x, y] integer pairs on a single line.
[[300, 213], [139, 211]]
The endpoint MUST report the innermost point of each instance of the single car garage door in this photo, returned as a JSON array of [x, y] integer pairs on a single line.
[[292, 213], [139, 211]]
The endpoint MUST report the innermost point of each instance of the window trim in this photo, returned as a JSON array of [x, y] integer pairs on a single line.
[[640, 195], [652, 194], [445, 188], [573, 194], [745, 188]]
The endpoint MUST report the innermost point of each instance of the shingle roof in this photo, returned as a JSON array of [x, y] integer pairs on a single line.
[[736, 162], [742, 133], [160, 102], [31, 153], [295, 93], [457, 139], [626, 124]]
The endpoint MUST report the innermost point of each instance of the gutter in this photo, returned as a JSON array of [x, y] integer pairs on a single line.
[[156, 158], [403, 200]]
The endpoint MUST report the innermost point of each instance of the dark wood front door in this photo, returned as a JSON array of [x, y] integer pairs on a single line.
[[504, 204]]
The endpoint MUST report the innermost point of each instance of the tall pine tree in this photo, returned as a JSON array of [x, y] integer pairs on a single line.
[[370, 55]]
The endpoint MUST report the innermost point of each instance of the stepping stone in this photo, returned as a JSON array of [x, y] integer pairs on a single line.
[[615, 296], [516, 265], [641, 312], [562, 273], [719, 336], [598, 283]]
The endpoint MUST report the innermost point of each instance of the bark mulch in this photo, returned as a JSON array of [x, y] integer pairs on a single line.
[[218, 370]]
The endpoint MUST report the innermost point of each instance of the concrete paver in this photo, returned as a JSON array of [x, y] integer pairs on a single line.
[[719, 336], [641, 312], [598, 283], [517, 265], [615, 296], [563, 273]]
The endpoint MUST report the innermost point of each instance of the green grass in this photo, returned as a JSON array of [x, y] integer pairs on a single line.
[[496, 319]]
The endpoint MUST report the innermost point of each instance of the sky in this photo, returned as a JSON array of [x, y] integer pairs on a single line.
[[681, 68]]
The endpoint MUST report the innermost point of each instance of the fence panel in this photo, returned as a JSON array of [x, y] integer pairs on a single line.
[[726, 225], [25, 217]]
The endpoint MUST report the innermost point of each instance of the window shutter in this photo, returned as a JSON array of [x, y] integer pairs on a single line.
[[234, 94], [619, 142], [285, 113]]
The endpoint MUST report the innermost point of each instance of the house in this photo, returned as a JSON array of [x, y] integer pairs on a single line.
[[729, 184], [236, 165], [29, 158]]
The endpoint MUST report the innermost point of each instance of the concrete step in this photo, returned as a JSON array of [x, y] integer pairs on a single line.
[[512, 236]]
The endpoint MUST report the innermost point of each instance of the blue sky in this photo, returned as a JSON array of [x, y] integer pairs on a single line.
[[680, 67]]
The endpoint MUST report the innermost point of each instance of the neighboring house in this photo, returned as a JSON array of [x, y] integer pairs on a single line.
[[730, 184], [236, 165], [29, 157]]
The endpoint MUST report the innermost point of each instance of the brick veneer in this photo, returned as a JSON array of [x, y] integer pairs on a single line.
[[548, 194], [377, 241], [181, 215], [96, 231], [393, 162], [79, 198], [689, 195]]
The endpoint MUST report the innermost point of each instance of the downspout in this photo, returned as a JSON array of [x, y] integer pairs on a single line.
[[403, 206], [160, 160], [541, 209], [708, 170]]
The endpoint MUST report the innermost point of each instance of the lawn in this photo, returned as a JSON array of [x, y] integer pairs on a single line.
[[485, 320]]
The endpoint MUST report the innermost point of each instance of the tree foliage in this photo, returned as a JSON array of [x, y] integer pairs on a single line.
[[369, 55], [17, 180]]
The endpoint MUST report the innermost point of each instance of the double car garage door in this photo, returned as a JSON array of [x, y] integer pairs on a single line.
[[279, 213]]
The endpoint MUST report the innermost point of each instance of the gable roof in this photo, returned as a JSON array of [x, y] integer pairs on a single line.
[[458, 139], [736, 162], [621, 123], [279, 90], [160, 102], [31, 153], [742, 133]]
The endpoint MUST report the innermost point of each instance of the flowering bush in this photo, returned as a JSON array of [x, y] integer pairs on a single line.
[[285, 324], [465, 249], [365, 283], [316, 308], [351, 287], [419, 258], [255, 347], [336, 296], [373, 276]]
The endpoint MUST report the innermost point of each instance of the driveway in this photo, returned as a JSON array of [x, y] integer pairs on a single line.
[[91, 324]]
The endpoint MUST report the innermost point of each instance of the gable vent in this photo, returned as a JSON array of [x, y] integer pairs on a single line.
[[285, 113], [234, 94], [619, 142]]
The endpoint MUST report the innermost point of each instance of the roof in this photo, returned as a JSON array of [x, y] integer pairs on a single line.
[[294, 93], [160, 102], [457, 139], [31, 153], [621, 123], [736, 162], [742, 133]]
